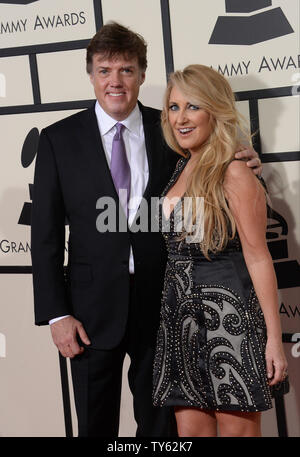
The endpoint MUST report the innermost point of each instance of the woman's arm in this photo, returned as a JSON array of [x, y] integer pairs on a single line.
[[247, 202]]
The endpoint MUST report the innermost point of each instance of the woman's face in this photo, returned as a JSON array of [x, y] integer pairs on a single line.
[[190, 123]]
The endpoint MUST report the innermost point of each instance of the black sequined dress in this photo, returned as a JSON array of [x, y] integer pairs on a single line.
[[212, 334]]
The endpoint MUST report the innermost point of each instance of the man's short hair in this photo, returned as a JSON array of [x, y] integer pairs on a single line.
[[114, 39]]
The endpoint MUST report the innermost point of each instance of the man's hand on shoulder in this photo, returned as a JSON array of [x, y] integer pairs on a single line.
[[251, 155], [64, 334]]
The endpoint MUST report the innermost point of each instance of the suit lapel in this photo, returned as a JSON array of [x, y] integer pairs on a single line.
[[153, 146], [93, 143]]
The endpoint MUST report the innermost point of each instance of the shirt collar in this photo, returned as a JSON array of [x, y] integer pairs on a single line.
[[105, 122]]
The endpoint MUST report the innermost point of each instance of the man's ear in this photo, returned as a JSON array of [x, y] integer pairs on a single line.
[[143, 77], [91, 78]]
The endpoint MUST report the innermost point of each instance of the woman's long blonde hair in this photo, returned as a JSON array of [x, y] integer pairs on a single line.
[[208, 89]]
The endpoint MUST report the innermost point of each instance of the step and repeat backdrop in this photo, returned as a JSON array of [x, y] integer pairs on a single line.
[[255, 43]]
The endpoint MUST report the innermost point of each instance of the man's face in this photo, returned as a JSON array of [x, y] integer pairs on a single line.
[[116, 84]]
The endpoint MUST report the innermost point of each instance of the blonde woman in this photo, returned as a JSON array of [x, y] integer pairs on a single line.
[[219, 352]]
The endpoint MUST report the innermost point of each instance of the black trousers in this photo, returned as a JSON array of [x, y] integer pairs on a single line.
[[97, 379]]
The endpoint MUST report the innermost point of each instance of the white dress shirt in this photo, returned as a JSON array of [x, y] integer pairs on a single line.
[[134, 140]]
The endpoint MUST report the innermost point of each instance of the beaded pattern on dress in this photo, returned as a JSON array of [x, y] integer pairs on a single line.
[[211, 341]]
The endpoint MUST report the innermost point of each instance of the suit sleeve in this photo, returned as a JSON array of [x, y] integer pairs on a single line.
[[48, 237]]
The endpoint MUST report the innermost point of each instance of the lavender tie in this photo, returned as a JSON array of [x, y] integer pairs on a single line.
[[120, 169]]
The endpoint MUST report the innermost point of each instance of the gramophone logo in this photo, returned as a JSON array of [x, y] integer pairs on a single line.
[[28, 154], [251, 28], [287, 271]]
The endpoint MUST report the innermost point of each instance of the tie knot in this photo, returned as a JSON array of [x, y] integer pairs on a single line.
[[119, 128]]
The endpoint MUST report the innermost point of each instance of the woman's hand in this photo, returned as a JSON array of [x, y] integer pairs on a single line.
[[276, 361]]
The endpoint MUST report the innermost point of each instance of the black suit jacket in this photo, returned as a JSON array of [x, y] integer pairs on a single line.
[[71, 174]]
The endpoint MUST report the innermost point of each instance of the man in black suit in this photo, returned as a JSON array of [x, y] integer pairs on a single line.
[[107, 304]]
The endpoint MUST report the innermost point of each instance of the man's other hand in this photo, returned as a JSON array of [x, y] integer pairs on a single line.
[[64, 334], [253, 162]]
